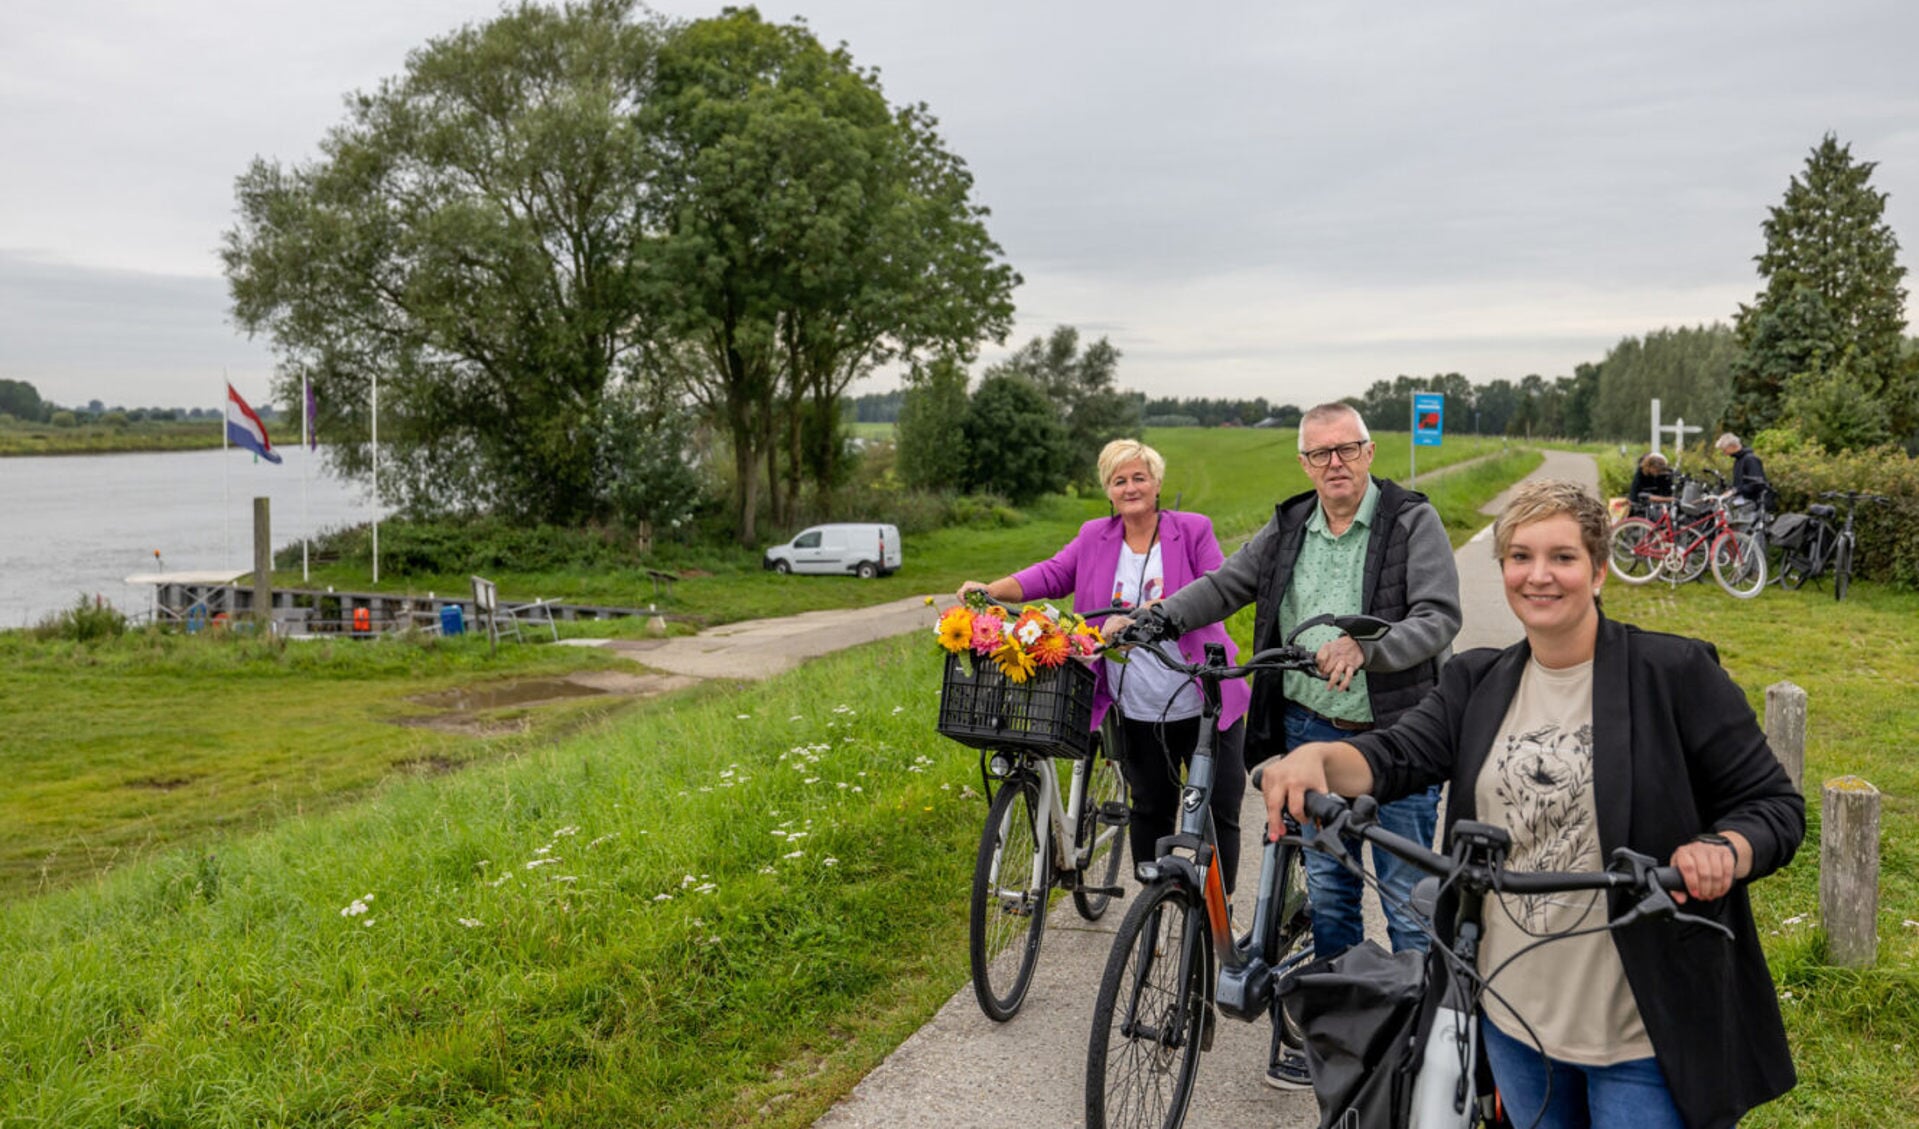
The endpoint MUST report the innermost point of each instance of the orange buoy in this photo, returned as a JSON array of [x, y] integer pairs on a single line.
[[362, 619]]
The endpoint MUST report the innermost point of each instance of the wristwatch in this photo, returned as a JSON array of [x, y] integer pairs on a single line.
[[1718, 840]]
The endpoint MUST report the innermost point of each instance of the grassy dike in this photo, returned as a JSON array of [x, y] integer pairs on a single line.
[[17, 438], [719, 911]]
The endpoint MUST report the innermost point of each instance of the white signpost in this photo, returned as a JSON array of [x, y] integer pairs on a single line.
[[1679, 428]]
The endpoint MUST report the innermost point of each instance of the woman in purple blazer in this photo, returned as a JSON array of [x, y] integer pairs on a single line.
[[1138, 556]]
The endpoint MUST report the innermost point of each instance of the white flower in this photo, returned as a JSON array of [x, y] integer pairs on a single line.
[[794, 854], [742, 716], [812, 780], [829, 862], [368, 923], [899, 710], [1794, 919], [662, 897], [796, 717], [705, 888], [565, 878], [857, 788], [541, 862], [470, 923], [568, 830], [356, 909], [1030, 632]]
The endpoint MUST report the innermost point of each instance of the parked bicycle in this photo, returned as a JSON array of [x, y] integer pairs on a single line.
[[1158, 998], [1037, 839], [1816, 545], [1679, 545], [1435, 1080]]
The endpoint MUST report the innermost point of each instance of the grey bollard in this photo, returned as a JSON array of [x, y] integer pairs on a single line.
[[1849, 871], [1786, 729]]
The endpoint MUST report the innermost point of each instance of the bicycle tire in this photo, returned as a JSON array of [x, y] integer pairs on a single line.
[[1692, 566], [1105, 787], [1636, 550], [1842, 567], [1739, 564], [1007, 905], [1295, 944], [1149, 1020]]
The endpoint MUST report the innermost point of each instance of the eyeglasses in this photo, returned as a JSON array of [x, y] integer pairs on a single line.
[[1323, 456]]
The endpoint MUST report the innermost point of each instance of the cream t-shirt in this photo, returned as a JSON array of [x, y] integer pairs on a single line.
[[1537, 783]]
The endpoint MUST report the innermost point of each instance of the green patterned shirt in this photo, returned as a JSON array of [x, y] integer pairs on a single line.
[[1329, 576]]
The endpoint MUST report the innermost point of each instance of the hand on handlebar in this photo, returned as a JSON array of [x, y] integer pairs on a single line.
[[1708, 868], [1284, 784], [1340, 659], [969, 586]]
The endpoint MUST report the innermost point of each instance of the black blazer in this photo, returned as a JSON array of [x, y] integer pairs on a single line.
[[1676, 751]]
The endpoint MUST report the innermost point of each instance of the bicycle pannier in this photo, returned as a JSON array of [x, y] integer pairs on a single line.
[[1360, 1013], [1788, 531]]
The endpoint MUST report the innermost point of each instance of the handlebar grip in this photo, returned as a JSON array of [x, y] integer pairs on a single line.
[[1668, 877], [1324, 807]]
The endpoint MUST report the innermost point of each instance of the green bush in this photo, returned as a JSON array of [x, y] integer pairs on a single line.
[[88, 620]]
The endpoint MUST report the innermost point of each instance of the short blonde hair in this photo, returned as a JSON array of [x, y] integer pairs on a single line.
[[1728, 442], [1122, 451], [1541, 498]]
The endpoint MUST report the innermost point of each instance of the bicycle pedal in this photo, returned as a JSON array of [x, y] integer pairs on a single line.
[[1115, 814], [1104, 891]]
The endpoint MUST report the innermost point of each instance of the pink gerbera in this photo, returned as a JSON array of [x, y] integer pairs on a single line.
[[989, 630]]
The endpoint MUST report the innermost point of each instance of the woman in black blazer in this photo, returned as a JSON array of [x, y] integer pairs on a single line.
[[1586, 736]]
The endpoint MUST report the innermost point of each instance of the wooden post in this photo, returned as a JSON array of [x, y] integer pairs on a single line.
[[263, 563], [1849, 871], [1786, 729]]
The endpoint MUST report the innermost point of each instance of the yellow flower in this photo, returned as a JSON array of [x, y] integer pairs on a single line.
[[1013, 660], [956, 629]]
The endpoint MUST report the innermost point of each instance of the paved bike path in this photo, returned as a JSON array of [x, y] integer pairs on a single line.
[[963, 1070]]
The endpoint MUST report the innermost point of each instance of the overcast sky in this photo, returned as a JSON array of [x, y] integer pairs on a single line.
[[1287, 200]]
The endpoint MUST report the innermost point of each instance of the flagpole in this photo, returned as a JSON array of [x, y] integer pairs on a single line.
[[226, 469], [306, 495], [376, 476]]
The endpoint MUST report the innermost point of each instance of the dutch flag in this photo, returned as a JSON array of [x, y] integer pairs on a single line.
[[244, 429]]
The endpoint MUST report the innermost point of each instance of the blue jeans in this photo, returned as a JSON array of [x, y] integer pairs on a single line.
[[1334, 891], [1632, 1094]]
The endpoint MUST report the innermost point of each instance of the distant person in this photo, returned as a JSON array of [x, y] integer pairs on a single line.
[[1352, 544], [1135, 557], [1748, 473], [1651, 482]]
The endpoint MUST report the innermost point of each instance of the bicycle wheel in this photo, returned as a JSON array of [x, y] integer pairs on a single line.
[[1692, 566], [1151, 1015], [1295, 946], [1842, 567], [1739, 564], [1637, 548], [1102, 832], [1010, 883]]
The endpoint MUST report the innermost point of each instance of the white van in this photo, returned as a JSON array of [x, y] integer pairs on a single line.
[[843, 549]]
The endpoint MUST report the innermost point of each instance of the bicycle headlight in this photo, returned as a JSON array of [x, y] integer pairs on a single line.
[[1147, 872], [999, 766]]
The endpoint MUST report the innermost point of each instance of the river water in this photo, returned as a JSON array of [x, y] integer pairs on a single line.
[[84, 523]]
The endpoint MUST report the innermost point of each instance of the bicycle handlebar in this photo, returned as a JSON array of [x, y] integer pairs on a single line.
[[1630, 870], [1851, 496]]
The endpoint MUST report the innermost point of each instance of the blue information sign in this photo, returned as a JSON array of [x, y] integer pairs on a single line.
[[1429, 417]]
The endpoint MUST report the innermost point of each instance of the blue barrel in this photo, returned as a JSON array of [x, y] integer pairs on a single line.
[[452, 620]]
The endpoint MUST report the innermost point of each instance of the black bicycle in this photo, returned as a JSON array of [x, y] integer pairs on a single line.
[[1816, 545], [1159, 996], [1428, 1076]]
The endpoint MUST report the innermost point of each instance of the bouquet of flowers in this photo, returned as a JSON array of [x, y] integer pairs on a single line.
[[1038, 636]]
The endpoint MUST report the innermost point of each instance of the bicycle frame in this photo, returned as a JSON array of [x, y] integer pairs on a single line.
[[1056, 818]]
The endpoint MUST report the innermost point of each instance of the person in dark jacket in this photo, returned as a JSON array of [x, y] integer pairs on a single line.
[[1748, 473], [1587, 736], [1651, 482], [1353, 544]]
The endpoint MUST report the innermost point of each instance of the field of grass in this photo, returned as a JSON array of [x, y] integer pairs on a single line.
[[1853, 1034], [17, 438], [118, 749], [717, 911]]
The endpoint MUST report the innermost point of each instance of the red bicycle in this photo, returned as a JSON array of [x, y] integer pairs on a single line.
[[1679, 546]]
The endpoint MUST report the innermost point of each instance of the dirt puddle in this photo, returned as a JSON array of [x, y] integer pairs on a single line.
[[465, 709]]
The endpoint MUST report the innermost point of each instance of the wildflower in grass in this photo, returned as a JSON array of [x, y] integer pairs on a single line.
[[899, 710], [604, 838], [841, 784], [768, 869], [544, 850], [536, 863], [567, 830], [796, 835], [742, 716], [794, 855], [1909, 923], [662, 897], [368, 923], [1794, 919], [812, 780], [796, 717], [356, 909], [705, 888], [829, 862], [565, 878], [470, 923]]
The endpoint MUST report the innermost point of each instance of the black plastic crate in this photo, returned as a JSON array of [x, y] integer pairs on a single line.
[[1050, 713]]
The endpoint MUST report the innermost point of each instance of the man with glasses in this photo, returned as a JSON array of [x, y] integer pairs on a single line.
[[1353, 544]]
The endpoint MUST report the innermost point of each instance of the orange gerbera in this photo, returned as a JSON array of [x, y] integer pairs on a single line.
[[1051, 650], [956, 629]]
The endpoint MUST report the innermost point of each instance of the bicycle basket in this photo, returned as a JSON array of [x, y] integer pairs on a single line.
[[1051, 713]]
